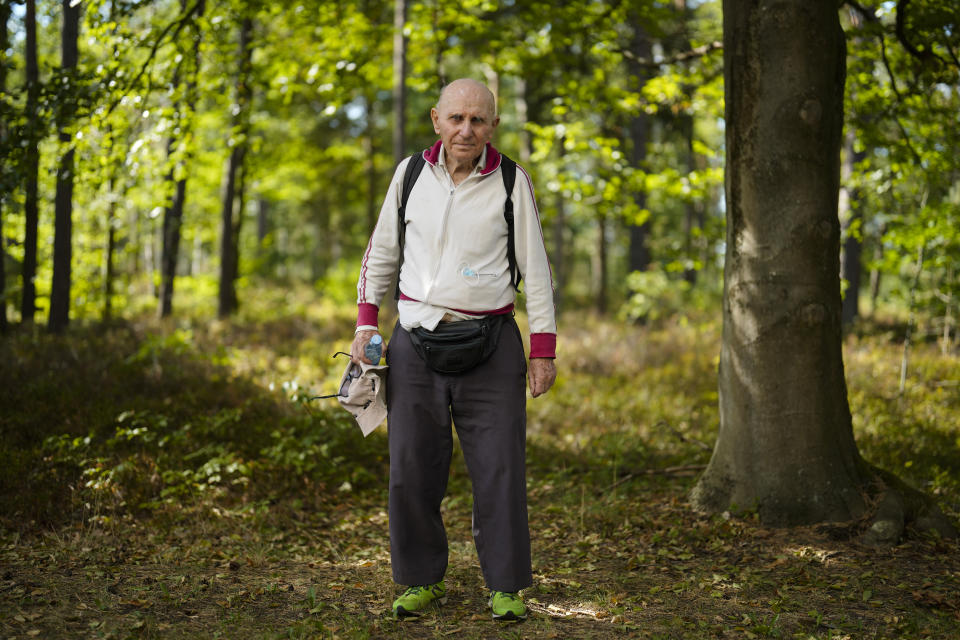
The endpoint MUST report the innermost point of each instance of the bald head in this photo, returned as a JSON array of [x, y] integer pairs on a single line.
[[470, 90], [465, 117]]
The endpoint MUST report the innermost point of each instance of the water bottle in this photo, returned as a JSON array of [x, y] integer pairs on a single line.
[[374, 349]]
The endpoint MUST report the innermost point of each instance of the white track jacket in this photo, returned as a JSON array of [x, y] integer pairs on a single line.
[[455, 250]]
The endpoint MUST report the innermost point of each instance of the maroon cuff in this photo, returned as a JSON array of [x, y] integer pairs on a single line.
[[543, 345], [367, 314]]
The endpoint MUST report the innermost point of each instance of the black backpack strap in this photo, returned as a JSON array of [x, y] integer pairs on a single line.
[[508, 169], [414, 167]]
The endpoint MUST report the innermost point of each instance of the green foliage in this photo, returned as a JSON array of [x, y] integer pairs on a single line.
[[656, 297], [901, 87]]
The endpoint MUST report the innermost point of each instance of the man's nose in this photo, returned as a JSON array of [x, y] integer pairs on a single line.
[[466, 130]]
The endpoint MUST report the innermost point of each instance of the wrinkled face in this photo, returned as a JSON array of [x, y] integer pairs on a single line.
[[465, 119]]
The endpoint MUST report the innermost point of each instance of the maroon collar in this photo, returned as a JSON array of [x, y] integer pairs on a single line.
[[432, 155]]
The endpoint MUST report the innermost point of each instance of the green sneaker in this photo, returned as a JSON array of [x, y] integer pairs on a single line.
[[415, 599], [507, 605]]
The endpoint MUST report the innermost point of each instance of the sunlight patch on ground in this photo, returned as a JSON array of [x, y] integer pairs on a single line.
[[820, 554], [561, 610]]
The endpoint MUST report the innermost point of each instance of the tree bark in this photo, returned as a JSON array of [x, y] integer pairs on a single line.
[[232, 211], [4, 43], [28, 303], [785, 446], [63, 201], [399, 80]]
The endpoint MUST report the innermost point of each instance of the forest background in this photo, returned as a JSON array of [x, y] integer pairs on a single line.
[[186, 189]]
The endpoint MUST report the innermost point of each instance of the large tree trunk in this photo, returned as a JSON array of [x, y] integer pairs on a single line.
[[232, 204], [4, 43], [786, 446], [63, 201], [31, 167]]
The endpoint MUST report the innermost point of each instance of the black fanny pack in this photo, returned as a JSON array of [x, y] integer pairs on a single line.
[[457, 347]]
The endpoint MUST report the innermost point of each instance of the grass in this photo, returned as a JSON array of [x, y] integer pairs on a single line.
[[172, 481]]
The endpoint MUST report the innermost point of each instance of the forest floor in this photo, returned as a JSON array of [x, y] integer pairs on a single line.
[[174, 481]]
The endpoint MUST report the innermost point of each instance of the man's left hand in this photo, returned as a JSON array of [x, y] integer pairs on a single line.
[[541, 374]]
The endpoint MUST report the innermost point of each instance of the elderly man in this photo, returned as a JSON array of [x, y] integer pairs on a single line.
[[456, 353]]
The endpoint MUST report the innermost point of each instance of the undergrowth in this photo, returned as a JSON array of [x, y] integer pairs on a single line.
[[175, 480]]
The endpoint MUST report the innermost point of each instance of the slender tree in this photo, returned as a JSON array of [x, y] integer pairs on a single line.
[[31, 163], [399, 80], [4, 170], [173, 212], [786, 445], [109, 271], [63, 202], [639, 130], [851, 216], [232, 211]]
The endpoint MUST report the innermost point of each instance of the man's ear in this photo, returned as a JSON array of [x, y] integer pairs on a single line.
[[496, 121], [435, 116]]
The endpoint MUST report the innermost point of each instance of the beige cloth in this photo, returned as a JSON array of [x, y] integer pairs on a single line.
[[363, 392]]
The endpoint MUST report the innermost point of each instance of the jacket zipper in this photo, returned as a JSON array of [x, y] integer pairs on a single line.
[[443, 234]]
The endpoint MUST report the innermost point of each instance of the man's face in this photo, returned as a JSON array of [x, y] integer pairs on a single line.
[[465, 120]]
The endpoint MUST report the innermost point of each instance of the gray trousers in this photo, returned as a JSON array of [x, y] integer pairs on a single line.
[[488, 406]]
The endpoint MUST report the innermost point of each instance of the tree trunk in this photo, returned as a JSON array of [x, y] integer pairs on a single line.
[[232, 212], [263, 221], [371, 149], [525, 150], [558, 253], [694, 211], [399, 80], [851, 218], [4, 43], [31, 166], [109, 274], [173, 214], [63, 202], [639, 253], [172, 221], [786, 446], [600, 266]]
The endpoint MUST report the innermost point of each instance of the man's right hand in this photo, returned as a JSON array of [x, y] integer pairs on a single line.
[[360, 340]]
